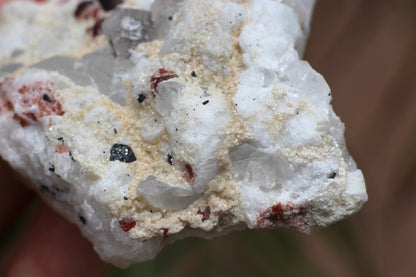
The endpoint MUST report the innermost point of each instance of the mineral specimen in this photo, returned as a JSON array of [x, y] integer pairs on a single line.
[[149, 121]]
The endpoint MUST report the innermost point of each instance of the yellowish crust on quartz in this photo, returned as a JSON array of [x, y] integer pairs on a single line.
[[223, 193]]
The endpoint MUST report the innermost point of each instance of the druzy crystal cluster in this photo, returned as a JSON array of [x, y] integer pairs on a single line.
[[144, 122]]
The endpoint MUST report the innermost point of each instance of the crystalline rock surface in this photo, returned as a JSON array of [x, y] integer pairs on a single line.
[[145, 122]]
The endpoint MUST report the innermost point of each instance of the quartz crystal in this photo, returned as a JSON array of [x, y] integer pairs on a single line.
[[145, 122]]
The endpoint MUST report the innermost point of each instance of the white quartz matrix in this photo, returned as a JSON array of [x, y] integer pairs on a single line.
[[145, 122]]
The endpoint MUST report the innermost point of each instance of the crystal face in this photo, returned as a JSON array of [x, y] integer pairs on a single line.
[[126, 28], [151, 121], [122, 153]]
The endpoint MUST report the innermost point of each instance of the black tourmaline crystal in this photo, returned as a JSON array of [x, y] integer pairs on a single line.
[[122, 153]]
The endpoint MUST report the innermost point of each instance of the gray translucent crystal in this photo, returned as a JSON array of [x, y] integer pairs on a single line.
[[163, 13], [106, 73], [65, 66], [126, 28], [99, 69], [9, 69], [165, 196], [168, 94]]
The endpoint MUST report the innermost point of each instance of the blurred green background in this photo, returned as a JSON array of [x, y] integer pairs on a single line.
[[253, 253]]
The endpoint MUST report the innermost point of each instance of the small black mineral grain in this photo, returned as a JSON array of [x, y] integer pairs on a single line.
[[141, 97], [332, 175], [170, 159], [82, 219], [47, 98], [53, 191], [122, 153]]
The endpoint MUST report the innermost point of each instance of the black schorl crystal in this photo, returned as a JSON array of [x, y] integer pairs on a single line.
[[109, 5], [47, 98], [332, 175], [122, 153], [170, 159], [141, 98], [82, 219]]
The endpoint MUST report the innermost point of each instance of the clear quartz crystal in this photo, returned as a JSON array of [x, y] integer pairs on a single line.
[[126, 28], [165, 196]]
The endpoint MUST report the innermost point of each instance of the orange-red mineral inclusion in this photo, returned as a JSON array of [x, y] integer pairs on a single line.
[[160, 76], [127, 223], [38, 99], [280, 214]]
